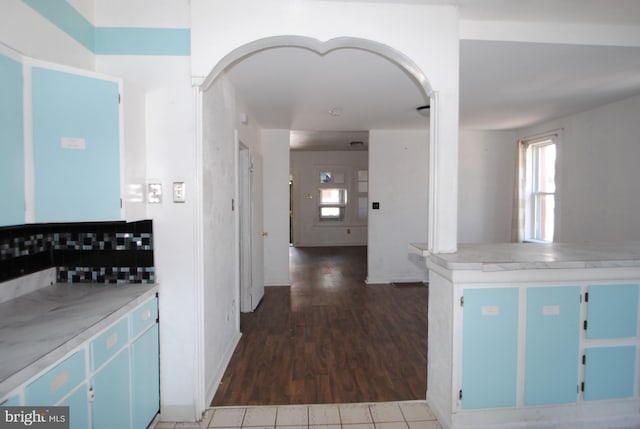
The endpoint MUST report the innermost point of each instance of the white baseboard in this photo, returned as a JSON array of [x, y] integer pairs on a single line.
[[178, 413], [385, 281], [278, 282], [219, 373]]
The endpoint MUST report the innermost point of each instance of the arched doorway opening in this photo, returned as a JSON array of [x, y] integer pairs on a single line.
[[223, 158]]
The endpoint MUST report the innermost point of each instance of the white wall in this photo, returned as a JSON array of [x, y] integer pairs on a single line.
[[26, 31], [598, 196], [427, 37], [486, 178], [398, 177], [170, 147], [306, 167], [135, 153], [157, 14], [276, 206], [170, 119], [219, 233]]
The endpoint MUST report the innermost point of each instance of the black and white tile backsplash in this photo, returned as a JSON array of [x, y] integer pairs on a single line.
[[95, 252]]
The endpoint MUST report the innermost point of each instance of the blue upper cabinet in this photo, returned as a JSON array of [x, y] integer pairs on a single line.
[[76, 147], [11, 143], [606, 301], [490, 348]]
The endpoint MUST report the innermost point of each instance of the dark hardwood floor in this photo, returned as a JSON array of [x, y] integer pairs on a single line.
[[330, 338]]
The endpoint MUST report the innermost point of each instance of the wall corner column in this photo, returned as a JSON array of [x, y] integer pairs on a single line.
[[443, 173]]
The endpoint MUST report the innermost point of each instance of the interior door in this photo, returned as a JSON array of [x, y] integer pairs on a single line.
[[257, 233]]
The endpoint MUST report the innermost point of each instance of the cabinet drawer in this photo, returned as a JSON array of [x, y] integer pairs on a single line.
[[144, 317], [108, 343], [52, 386]]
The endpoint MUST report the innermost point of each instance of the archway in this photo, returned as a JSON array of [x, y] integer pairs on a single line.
[[237, 55]]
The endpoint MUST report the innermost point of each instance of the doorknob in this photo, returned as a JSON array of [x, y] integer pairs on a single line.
[[264, 234]]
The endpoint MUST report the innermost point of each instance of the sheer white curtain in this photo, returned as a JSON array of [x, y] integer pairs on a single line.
[[519, 197]]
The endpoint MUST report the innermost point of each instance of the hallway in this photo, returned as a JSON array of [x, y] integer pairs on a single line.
[[330, 338]]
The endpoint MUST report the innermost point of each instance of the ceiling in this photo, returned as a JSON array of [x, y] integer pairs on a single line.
[[332, 100]]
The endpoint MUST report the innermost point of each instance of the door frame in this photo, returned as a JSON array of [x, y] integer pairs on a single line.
[[244, 225]]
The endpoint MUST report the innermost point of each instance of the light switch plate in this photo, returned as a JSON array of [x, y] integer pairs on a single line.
[[154, 193], [178, 192]]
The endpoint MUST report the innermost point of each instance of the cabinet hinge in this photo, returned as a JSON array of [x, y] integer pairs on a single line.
[[157, 320], [586, 297], [584, 325], [119, 99], [120, 202], [462, 301], [584, 359], [582, 386], [460, 394]]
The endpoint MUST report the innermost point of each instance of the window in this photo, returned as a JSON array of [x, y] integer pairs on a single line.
[[540, 188], [332, 204], [363, 191]]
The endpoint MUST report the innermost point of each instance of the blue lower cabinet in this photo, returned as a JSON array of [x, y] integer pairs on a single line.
[[490, 348], [111, 394], [78, 403], [552, 345], [51, 387], [12, 401], [145, 382], [605, 301], [609, 372]]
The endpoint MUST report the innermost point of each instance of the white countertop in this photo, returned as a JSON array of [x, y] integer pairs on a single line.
[[41, 327], [526, 256]]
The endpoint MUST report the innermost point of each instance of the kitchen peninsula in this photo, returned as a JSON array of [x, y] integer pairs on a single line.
[[534, 335]]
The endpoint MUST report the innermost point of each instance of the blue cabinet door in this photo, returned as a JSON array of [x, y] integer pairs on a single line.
[[490, 348], [612, 311], [609, 372], [76, 147], [552, 345], [111, 392], [145, 378], [12, 147], [78, 403]]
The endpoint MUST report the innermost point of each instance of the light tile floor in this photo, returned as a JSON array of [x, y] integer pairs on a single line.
[[378, 415]]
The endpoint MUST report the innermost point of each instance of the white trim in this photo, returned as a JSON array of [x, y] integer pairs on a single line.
[[33, 62], [11, 53], [200, 399], [432, 227], [121, 147], [321, 48]]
